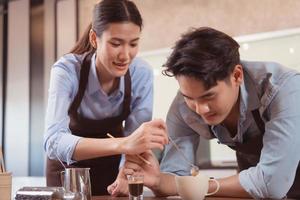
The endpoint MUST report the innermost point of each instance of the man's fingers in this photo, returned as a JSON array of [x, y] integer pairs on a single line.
[[111, 187], [133, 159], [133, 166], [115, 191], [128, 171]]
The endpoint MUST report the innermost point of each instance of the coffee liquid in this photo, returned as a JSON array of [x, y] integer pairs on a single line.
[[135, 189]]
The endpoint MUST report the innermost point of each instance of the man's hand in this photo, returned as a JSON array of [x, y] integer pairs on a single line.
[[160, 183], [151, 173], [120, 186]]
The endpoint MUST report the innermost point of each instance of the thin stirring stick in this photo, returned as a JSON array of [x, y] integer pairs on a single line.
[[61, 162], [140, 157], [2, 160], [194, 169]]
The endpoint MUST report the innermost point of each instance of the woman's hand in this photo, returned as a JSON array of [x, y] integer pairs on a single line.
[[150, 135], [151, 173], [120, 186]]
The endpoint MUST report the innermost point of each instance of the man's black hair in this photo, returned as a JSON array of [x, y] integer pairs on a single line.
[[205, 54]]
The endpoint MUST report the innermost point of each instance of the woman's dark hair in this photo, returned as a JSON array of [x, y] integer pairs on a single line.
[[205, 54], [104, 13]]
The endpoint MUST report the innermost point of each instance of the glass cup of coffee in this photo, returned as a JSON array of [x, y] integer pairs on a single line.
[[135, 186]]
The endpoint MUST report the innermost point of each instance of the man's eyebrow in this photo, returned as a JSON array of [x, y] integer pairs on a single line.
[[207, 93]]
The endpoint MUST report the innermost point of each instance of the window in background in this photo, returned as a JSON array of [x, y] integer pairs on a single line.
[[3, 67], [1, 71], [36, 104], [66, 26], [17, 88]]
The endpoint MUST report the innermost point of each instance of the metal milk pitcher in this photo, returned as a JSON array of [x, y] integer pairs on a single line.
[[77, 184]]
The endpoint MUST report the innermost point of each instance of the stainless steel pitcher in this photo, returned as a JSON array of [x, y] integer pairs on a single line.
[[77, 184]]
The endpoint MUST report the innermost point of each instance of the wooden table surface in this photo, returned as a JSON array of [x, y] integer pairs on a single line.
[[158, 198]]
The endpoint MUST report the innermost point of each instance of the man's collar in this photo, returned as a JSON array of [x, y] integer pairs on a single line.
[[249, 99]]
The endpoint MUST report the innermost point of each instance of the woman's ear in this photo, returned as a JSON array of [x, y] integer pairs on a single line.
[[93, 38]]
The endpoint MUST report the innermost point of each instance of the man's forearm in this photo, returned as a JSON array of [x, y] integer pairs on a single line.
[[229, 187], [166, 185]]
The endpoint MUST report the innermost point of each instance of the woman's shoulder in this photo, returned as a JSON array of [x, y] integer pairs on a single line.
[[69, 62]]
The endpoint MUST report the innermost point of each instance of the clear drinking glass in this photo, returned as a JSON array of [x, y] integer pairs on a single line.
[[135, 186]]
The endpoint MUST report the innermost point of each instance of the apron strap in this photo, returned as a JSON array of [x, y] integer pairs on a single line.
[[258, 120], [84, 71]]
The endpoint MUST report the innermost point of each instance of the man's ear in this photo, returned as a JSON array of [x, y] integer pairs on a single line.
[[238, 74], [93, 39]]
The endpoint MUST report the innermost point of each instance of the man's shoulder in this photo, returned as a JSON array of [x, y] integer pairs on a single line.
[[272, 71], [177, 105], [268, 78]]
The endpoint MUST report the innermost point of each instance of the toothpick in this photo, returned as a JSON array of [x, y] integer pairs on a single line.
[[140, 157]]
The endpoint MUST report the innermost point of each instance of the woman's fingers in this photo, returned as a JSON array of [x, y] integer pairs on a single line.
[[159, 123], [155, 145], [149, 135], [158, 139], [160, 134]]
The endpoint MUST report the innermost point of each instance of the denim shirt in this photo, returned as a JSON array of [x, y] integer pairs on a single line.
[[96, 104], [275, 91]]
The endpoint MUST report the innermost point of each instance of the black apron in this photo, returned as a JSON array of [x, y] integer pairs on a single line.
[[248, 154], [103, 170]]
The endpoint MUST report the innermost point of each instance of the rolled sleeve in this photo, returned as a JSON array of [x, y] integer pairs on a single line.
[[275, 173], [58, 140]]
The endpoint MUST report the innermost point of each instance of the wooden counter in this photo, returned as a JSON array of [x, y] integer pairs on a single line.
[[158, 198]]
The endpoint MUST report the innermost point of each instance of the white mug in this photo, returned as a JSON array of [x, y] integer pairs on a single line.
[[192, 187]]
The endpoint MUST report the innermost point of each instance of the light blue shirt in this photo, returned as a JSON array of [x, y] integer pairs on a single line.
[[96, 104], [275, 91]]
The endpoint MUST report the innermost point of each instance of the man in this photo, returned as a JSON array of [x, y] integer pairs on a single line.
[[250, 106]]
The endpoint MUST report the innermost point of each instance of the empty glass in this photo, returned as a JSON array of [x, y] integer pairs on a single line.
[[77, 184]]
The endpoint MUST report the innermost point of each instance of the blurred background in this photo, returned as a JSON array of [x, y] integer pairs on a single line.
[[34, 33]]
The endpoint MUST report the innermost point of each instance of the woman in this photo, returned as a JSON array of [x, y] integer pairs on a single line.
[[96, 88]]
